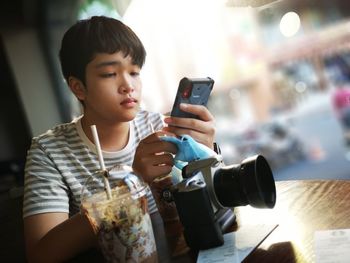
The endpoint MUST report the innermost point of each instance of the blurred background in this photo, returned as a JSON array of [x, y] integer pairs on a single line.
[[281, 71]]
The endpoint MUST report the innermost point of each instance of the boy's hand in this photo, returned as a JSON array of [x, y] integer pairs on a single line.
[[153, 157], [203, 130]]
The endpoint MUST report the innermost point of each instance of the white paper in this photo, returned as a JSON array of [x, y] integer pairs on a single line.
[[332, 246], [225, 253], [237, 245]]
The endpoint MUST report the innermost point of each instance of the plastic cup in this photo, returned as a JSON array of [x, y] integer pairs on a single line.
[[122, 223]]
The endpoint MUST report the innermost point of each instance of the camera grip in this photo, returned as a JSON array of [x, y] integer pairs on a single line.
[[197, 237], [201, 229]]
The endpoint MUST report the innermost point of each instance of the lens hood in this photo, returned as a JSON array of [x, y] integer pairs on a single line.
[[259, 183]]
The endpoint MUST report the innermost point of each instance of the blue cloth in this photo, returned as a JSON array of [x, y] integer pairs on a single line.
[[188, 150]]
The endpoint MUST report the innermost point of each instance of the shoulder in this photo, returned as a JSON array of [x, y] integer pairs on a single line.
[[58, 134]]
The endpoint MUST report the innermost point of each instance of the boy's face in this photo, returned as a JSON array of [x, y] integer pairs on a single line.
[[113, 88]]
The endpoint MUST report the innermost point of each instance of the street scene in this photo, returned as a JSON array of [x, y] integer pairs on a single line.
[[326, 154], [314, 148]]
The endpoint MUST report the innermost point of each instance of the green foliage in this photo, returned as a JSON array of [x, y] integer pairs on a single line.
[[86, 3]]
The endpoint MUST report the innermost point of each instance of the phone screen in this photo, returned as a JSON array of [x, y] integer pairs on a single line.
[[192, 91]]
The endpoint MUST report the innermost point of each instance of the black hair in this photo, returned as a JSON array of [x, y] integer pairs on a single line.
[[98, 34]]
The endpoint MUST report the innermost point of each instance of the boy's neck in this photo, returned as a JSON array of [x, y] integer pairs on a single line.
[[112, 137]]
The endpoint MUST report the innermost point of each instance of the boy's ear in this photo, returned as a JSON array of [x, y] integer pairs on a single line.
[[77, 87]]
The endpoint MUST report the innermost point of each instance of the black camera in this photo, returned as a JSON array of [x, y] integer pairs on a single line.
[[209, 190]]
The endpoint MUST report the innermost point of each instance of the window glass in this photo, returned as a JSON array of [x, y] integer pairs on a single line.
[[281, 74], [97, 7]]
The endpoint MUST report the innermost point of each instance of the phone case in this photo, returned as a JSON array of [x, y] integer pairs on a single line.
[[192, 91]]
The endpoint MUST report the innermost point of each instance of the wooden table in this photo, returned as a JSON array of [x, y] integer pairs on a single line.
[[302, 208]]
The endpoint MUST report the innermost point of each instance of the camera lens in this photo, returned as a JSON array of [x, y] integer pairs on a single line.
[[250, 182], [186, 93]]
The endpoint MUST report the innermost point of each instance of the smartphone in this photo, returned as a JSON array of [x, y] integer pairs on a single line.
[[192, 91]]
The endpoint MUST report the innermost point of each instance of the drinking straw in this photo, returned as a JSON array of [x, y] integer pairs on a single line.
[[102, 163]]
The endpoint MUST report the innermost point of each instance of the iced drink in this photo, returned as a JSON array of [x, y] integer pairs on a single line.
[[122, 223], [172, 225]]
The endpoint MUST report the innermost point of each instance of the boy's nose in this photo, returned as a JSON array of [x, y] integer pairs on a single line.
[[126, 86]]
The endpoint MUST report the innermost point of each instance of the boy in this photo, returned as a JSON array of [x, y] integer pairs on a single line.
[[101, 59]]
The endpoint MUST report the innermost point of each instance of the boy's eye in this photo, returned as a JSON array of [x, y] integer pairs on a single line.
[[108, 75], [135, 73]]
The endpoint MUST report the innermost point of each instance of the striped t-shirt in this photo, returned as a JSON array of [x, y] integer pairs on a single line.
[[60, 160]]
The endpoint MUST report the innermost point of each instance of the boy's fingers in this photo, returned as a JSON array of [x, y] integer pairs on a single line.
[[184, 123], [158, 147], [179, 125], [153, 144], [151, 173], [154, 137], [163, 159], [199, 110], [153, 166]]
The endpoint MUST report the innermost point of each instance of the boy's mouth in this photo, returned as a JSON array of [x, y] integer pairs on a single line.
[[129, 102]]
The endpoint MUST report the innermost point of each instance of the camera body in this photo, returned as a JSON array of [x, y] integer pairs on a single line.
[[209, 190]]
